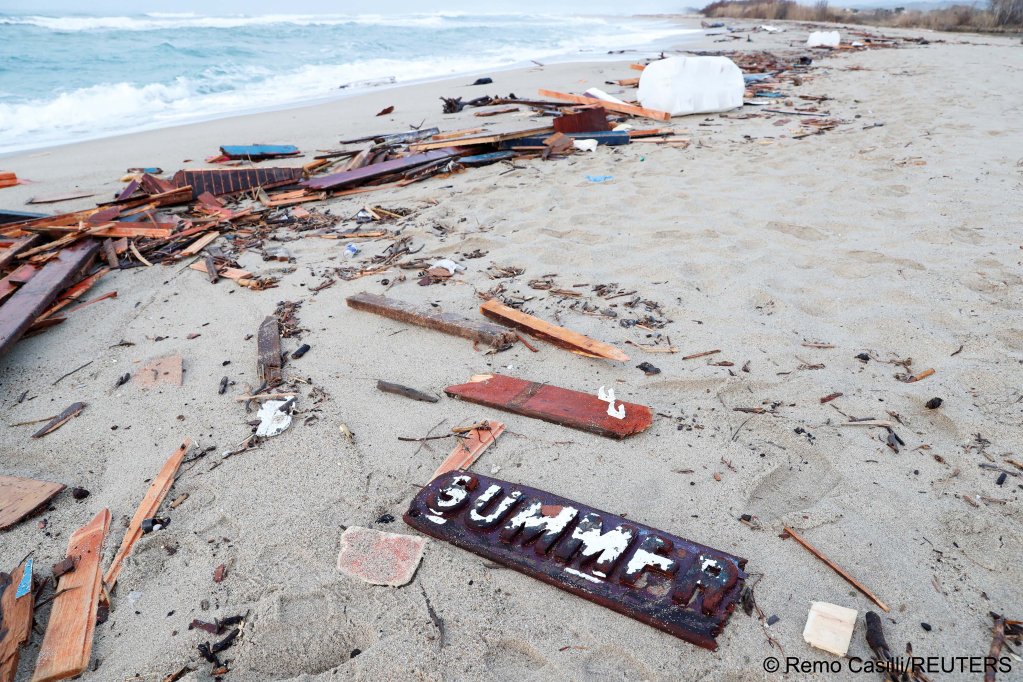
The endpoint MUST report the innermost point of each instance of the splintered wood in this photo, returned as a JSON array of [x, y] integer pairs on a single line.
[[19, 497], [449, 323], [559, 336], [610, 106], [269, 351], [836, 568], [67, 644], [15, 621], [471, 447], [147, 509], [554, 404], [71, 411]]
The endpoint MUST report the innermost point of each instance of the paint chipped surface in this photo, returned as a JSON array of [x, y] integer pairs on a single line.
[[379, 558], [586, 576]]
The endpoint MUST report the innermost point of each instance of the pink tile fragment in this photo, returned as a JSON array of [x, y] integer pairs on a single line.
[[379, 558]]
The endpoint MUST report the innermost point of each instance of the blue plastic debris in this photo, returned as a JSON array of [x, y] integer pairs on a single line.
[[25, 586], [600, 178]]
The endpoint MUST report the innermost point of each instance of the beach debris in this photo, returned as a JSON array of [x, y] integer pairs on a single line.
[[79, 493], [8, 179], [154, 524], [168, 369], [398, 389], [19, 497], [830, 627], [386, 110], [562, 406], [583, 119], [475, 140], [558, 336], [588, 145], [379, 558], [275, 417], [933, 403], [837, 569], [831, 396], [610, 105], [823, 39], [486, 159], [150, 504], [609, 397], [300, 351], [560, 143], [72, 410], [691, 85], [911, 379], [222, 182], [625, 566], [219, 573], [16, 607], [259, 152], [482, 332], [67, 644], [471, 446], [268, 353], [600, 178], [58, 198], [376, 170], [486, 80], [648, 369]]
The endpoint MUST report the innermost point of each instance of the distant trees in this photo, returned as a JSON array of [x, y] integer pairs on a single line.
[[1007, 12], [1001, 14]]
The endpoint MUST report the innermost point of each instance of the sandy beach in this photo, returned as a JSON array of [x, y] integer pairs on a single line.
[[896, 235]]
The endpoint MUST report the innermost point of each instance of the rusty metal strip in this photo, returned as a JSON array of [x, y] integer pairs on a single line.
[[678, 586]]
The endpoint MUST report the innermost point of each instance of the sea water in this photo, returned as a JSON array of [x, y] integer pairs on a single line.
[[71, 78]]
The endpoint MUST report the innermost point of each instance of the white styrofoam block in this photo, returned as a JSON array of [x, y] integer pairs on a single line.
[[691, 85]]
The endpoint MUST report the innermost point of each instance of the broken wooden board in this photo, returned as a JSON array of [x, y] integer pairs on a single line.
[[19, 497], [15, 620], [268, 359], [22, 308], [629, 109], [376, 170], [470, 447], [67, 645], [611, 138], [236, 274], [449, 323], [9, 284], [553, 404], [681, 587], [830, 627], [72, 410], [147, 509], [258, 152], [559, 336], [493, 138], [10, 246], [232, 181], [199, 244], [166, 370]]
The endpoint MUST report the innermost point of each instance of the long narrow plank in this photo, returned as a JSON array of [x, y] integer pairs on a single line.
[[19, 497], [480, 139], [15, 621], [11, 247], [147, 510], [21, 309], [67, 645], [268, 344], [449, 323], [199, 244], [470, 448], [552, 333], [553, 404], [230, 273], [610, 106], [376, 170], [72, 410], [73, 293]]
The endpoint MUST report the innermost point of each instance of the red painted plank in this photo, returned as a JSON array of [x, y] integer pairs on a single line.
[[553, 404]]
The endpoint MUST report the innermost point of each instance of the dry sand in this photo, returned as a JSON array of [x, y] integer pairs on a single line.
[[897, 241]]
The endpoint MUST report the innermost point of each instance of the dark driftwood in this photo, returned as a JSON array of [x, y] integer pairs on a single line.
[[60, 420], [449, 323], [398, 389], [269, 349]]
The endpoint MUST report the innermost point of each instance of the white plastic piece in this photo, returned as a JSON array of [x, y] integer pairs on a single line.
[[600, 94], [449, 265], [830, 627], [622, 127], [824, 39], [585, 145], [691, 85], [772, 29], [273, 419]]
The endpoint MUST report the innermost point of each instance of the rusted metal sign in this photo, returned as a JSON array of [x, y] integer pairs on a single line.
[[686, 589]]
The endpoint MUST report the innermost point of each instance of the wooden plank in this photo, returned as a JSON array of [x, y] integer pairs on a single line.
[[19, 497], [10, 248], [637, 67], [73, 293], [553, 404], [67, 644], [199, 244], [21, 309], [8, 179], [586, 119], [256, 152], [559, 336], [606, 137], [454, 134], [479, 139], [376, 170], [470, 448], [54, 199], [73, 410], [449, 323], [235, 274], [268, 343], [610, 106], [147, 510], [9, 284], [495, 112], [15, 621]]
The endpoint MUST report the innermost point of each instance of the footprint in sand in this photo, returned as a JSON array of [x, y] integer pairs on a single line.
[[793, 487], [513, 659], [804, 232]]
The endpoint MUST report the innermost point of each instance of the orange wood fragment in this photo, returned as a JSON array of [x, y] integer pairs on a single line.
[[610, 106], [165, 370], [16, 616], [230, 273], [67, 645], [19, 497], [147, 510], [552, 333], [470, 448]]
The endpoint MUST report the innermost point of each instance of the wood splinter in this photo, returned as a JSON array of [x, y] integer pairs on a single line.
[[559, 336], [398, 389], [836, 568]]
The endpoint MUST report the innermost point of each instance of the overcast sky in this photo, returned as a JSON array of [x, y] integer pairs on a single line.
[[121, 7]]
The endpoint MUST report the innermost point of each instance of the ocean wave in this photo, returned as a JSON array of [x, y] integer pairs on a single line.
[[155, 21]]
